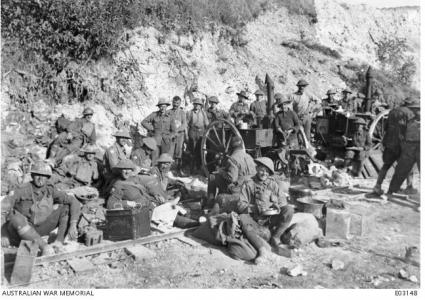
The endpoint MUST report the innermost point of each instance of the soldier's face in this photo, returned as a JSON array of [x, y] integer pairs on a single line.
[[286, 106], [39, 180], [259, 97], [165, 166], [89, 156], [176, 103], [241, 99], [197, 106], [262, 172], [122, 141], [163, 108], [126, 173], [301, 88], [213, 105]]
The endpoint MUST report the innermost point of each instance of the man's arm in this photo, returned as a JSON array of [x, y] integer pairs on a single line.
[[63, 198], [92, 137], [244, 199], [147, 122]]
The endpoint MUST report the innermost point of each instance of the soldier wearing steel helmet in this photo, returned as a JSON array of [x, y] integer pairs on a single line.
[[142, 156], [263, 209], [330, 99], [358, 147], [197, 122], [118, 151], [213, 112], [410, 148], [347, 102], [161, 127], [36, 208], [304, 106]]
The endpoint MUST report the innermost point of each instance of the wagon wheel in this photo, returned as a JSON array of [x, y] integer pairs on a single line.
[[215, 144], [377, 129]]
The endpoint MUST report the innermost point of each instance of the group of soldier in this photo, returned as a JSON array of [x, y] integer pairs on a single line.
[[136, 175]]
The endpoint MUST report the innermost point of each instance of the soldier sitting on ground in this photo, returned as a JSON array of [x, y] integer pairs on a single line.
[[263, 209], [82, 170], [142, 156], [36, 208], [76, 134], [162, 170], [358, 147], [228, 180]]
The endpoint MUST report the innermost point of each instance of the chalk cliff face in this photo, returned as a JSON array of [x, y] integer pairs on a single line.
[[286, 46]]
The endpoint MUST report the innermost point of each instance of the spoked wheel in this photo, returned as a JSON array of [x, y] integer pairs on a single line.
[[215, 144], [377, 129]]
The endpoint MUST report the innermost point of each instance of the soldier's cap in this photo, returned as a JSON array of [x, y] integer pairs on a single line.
[[330, 92], [259, 92], [347, 91], [283, 101], [236, 142], [267, 162], [162, 101], [360, 95], [123, 134], [165, 158], [197, 101], [213, 99], [278, 96], [243, 94], [89, 149], [302, 82], [150, 143], [360, 121], [88, 111], [125, 164], [177, 98], [41, 168]]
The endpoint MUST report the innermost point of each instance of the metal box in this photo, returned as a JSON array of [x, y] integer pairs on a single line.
[[254, 138], [125, 224]]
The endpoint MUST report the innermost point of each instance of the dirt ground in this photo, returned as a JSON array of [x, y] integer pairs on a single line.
[[370, 261]]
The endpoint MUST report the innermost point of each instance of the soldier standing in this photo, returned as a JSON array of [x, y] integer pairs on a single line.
[[31, 213], [395, 129], [213, 112], [197, 121], [161, 127], [287, 125], [259, 107], [359, 147], [410, 149], [304, 106], [178, 116], [263, 203], [346, 101], [239, 110]]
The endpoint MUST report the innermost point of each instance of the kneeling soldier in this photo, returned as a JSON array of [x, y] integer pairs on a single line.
[[36, 209], [262, 207]]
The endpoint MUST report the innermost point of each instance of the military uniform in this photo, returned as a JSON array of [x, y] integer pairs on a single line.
[[410, 154], [113, 155], [259, 108], [216, 114], [140, 189], [197, 122], [256, 198], [362, 141], [240, 111], [287, 120], [34, 206], [304, 106], [180, 122], [161, 127], [140, 158], [395, 129], [81, 170], [237, 168]]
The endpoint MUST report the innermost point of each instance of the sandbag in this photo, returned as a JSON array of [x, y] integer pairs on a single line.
[[302, 230]]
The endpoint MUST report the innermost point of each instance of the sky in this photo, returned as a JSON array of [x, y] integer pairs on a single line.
[[384, 3]]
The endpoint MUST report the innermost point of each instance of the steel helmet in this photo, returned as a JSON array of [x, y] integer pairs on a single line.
[[41, 168], [88, 111], [267, 162], [150, 143]]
